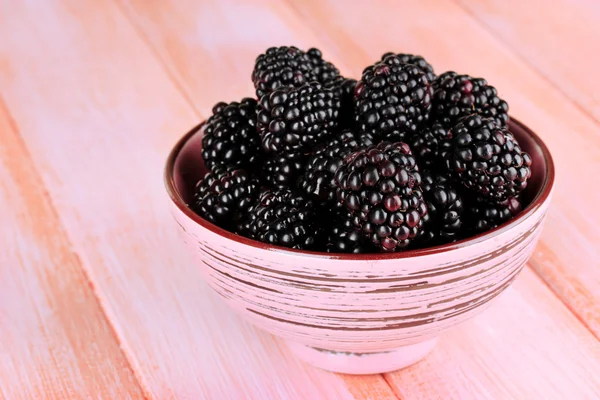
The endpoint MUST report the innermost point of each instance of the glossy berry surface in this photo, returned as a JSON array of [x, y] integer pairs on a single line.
[[430, 145], [415, 60], [283, 170], [281, 67], [284, 218], [483, 215], [225, 195], [343, 237], [457, 96], [344, 88], [230, 137], [392, 98], [380, 188], [445, 209], [322, 165], [296, 120], [487, 159]]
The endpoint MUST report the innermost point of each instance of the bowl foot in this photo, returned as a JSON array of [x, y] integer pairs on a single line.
[[363, 363]]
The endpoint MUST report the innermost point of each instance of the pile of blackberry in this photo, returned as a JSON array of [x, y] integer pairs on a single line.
[[401, 158]]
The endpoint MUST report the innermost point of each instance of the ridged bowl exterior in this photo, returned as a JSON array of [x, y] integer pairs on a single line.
[[364, 303], [360, 305]]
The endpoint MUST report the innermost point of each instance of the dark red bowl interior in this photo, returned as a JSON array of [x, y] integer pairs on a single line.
[[185, 168]]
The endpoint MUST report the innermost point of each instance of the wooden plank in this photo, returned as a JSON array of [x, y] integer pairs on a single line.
[[209, 47], [568, 258], [527, 346], [99, 115], [561, 41], [56, 342]]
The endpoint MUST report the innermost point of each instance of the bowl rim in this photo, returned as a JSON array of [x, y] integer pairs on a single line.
[[539, 199]]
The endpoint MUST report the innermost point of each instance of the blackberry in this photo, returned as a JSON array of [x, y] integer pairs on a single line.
[[230, 137], [323, 71], [445, 209], [295, 120], [392, 98], [281, 67], [283, 170], [430, 145], [225, 195], [415, 60], [344, 237], [344, 88], [483, 215], [322, 165], [456, 96], [283, 217], [379, 187], [487, 158]]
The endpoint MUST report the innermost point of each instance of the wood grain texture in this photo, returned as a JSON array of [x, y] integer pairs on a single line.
[[527, 346], [568, 258], [560, 42], [99, 115], [100, 91], [56, 342]]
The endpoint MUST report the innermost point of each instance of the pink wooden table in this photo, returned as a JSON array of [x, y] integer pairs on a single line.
[[98, 299]]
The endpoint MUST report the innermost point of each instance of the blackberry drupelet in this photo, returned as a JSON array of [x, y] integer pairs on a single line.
[[344, 237], [392, 98], [225, 195], [323, 71], [281, 67], [487, 158], [283, 170], [344, 88], [483, 215], [456, 96], [445, 209], [230, 137], [298, 119], [415, 60], [379, 187], [285, 218], [322, 165], [430, 146]]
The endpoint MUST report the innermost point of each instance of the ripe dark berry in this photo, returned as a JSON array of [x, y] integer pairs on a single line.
[[283, 170], [344, 237], [456, 96], [415, 60], [430, 145], [224, 196], [230, 137], [483, 215], [322, 165], [392, 97], [323, 71], [296, 120], [290, 67], [380, 188], [281, 67], [282, 217], [445, 209], [344, 88], [487, 159]]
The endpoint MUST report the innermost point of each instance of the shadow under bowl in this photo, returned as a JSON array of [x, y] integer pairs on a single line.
[[359, 313]]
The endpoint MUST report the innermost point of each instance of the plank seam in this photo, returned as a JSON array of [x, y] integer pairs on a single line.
[[171, 75], [78, 260]]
